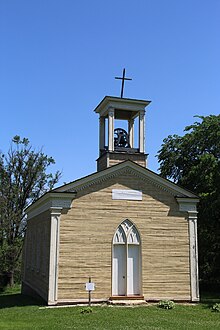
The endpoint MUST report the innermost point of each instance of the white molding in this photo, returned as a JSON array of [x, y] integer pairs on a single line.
[[54, 255], [189, 205]]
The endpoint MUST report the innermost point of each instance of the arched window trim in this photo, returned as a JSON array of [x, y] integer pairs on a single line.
[[131, 228]]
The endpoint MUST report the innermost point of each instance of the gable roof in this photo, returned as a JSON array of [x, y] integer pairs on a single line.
[[129, 167]]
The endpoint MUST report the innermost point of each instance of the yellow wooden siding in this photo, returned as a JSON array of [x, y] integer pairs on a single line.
[[113, 162], [86, 233]]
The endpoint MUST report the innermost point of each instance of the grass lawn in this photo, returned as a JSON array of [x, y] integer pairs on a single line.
[[20, 312]]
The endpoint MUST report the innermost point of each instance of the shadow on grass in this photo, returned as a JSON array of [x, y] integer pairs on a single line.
[[210, 297], [18, 300]]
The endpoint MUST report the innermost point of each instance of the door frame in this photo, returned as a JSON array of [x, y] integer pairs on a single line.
[[133, 227]]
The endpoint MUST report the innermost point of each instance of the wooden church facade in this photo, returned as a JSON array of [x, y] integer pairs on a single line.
[[133, 232]]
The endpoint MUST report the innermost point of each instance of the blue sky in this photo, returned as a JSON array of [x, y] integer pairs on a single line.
[[58, 60]]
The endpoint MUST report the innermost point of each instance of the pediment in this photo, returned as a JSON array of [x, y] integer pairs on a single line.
[[130, 168]]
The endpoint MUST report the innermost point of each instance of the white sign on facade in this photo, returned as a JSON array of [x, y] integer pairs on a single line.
[[90, 286], [132, 195]]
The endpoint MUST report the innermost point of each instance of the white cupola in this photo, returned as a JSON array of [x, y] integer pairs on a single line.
[[120, 143]]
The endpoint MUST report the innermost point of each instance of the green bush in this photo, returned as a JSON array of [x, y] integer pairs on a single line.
[[166, 304], [86, 310], [216, 307]]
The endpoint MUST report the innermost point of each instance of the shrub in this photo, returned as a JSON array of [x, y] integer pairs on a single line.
[[216, 307], [166, 304], [86, 310]]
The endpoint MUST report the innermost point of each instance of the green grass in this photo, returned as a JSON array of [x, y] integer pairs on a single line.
[[20, 312]]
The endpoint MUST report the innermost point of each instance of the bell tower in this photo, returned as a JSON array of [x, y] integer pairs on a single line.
[[118, 144]]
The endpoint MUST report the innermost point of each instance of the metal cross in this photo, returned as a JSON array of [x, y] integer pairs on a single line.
[[123, 81]]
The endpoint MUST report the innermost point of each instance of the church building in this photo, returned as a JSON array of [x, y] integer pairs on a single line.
[[125, 227]]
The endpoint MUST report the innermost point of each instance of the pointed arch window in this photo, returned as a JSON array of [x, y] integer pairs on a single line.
[[126, 260], [126, 233]]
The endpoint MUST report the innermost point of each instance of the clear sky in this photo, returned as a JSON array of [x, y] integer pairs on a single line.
[[58, 59]]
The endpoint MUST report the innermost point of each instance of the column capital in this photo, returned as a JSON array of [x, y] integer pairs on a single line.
[[142, 114], [111, 111], [55, 211], [192, 215]]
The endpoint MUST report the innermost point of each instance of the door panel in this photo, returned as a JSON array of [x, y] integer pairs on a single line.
[[119, 270], [133, 270]]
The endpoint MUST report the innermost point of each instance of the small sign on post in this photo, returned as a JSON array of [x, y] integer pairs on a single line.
[[90, 287]]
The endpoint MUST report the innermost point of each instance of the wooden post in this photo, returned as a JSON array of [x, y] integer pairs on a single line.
[[90, 287], [89, 292]]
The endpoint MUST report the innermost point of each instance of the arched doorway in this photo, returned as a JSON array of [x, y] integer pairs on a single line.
[[126, 260]]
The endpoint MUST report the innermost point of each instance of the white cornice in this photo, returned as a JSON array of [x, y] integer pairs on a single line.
[[118, 103], [50, 201], [132, 168], [188, 205]]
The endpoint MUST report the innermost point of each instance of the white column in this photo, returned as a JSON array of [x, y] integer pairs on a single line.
[[54, 254], [141, 131], [131, 132], [111, 115], [101, 133], [193, 245]]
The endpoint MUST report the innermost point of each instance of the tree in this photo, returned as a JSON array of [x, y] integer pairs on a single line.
[[23, 179], [193, 161]]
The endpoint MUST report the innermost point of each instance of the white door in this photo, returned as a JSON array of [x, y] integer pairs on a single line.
[[126, 264], [119, 270], [133, 269]]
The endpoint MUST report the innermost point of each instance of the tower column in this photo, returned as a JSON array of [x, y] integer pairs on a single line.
[[101, 134], [141, 131], [111, 117], [131, 132]]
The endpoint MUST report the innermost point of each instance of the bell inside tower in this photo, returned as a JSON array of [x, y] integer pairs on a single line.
[[116, 143]]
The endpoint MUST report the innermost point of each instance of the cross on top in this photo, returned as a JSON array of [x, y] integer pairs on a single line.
[[123, 81]]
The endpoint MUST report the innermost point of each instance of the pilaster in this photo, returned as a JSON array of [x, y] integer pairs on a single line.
[[193, 256], [189, 205], [54, 255]]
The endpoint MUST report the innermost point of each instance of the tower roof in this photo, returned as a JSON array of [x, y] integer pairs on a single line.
[[125, 108]]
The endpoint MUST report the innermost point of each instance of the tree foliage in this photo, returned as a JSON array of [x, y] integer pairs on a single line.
[[23, 179], [193, 161]]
